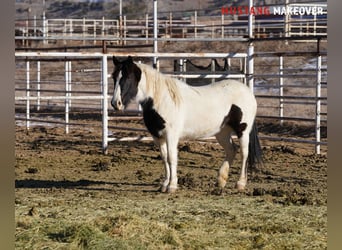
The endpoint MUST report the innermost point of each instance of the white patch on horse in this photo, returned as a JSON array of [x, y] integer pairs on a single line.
[[116, 100]]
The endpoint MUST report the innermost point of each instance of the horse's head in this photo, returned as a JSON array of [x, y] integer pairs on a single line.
[[126, 77]]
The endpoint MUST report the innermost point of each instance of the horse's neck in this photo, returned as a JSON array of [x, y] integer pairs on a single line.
[[159, 87], [147, 83]]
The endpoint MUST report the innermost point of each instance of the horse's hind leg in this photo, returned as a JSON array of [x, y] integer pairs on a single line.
[[244, 141], [225, 140]]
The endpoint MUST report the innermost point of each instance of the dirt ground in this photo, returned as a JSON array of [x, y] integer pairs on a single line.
[[58, 171], [47, 157]]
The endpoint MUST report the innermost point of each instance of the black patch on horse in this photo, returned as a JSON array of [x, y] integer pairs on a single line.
[[153, 121], [233, 119]]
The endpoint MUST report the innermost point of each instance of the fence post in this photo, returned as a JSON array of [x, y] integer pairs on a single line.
[[222, 25], [120, 29], [244, 69], [146, 27], [44, 29], [94, 32], [181, 68], [213, 69], [125, 29], [170, 24], [34, 25], [64, 31], [83, 29], [71, 29], [69, 71], [38, 85], [181, 65], [287, 24], [318, 104], [67, 95], [212, 30], [281, 89], [195, 23], [250, 66], [103, 27], [315, 24], [104, 105], [155, 33], [250, 51], [27, 94]]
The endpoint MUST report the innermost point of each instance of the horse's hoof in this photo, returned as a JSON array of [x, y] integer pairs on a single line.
[[163, 189], [167, 189], [221, 183], [217, 191], [240, 186], [172, 190]]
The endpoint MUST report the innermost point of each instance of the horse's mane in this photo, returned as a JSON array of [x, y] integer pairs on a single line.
[[158, 83]]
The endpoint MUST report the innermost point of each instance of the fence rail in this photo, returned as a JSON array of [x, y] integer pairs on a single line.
[[170, 28], [57, 85]]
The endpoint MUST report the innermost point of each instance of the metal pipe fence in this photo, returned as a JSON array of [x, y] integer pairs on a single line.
[[171, 27], [51, 87]]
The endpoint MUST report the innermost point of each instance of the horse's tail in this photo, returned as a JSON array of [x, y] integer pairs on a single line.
[[254, 159]]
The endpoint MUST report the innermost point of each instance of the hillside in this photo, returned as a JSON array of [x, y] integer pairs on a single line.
[[98, 9], [110, 8]]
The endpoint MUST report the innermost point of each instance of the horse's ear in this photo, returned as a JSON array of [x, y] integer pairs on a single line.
[[129, 59], [137, 73], [116, 61]]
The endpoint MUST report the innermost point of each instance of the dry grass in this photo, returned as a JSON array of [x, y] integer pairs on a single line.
[[168, 222]]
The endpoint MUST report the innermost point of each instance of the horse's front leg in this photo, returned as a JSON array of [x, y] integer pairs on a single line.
[[172, 159], [164, 156]]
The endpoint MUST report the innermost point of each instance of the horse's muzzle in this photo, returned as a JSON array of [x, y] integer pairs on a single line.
[[117, 105]]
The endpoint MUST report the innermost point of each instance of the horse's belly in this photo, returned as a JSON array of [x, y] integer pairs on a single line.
[[201, 127]]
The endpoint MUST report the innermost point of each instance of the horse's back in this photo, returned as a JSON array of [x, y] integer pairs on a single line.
[[206, 107], [232, 86], [228, 92]]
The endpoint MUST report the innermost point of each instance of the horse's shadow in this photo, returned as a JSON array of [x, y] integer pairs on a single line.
[[84, 185]]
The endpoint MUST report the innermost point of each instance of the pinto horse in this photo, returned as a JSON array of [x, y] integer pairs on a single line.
[[173, 110]]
